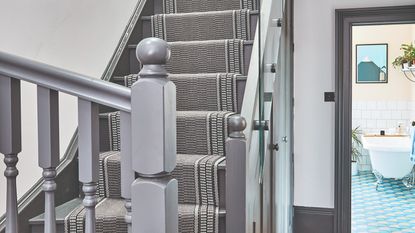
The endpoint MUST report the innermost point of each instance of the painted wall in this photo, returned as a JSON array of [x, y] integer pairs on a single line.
[[398, 87], [76, 35], [314, 73]]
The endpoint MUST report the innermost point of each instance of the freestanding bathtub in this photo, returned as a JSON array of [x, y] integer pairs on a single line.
[[389, 155]]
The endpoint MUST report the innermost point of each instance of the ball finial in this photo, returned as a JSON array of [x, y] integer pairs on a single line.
[[153, 51], [237, 123]]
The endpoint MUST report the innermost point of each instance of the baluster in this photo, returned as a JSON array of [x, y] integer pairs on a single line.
[[127, 173], [48, 135], [153, 104], [88, 143], [10, 144], [235, 176]]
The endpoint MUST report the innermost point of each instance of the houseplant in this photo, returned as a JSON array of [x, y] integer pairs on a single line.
[[409, 52], [401, 61], [356, 147], [408, 57]]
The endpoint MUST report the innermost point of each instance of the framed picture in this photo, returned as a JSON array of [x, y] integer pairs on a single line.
[[372, 63]]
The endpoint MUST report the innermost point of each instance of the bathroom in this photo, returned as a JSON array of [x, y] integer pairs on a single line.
[[383, 109]]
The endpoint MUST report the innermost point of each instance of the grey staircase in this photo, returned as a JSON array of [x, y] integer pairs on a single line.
[[211, 43]]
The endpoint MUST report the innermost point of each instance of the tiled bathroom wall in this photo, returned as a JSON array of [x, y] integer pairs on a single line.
[[373, 116]]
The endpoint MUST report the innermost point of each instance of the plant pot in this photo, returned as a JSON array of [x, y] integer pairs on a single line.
[[405, 66], [355, 171]]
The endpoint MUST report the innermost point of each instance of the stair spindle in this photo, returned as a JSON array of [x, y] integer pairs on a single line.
[[235, 176], [48, 136], [10, 144], [88, 143], [127, 172], [153, 118]]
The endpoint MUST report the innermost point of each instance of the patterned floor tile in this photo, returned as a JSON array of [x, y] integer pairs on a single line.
[[391, 209]]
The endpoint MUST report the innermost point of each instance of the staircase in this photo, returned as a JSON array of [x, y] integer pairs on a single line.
[[211, 43]]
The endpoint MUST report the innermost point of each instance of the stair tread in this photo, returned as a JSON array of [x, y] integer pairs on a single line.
[[213, 25], [61, 212], [112, 211], [189, 169]]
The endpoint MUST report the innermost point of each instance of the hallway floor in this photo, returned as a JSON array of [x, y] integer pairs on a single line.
[[390, 209]]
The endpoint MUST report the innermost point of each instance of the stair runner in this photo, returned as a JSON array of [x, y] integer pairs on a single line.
[[206, 38]]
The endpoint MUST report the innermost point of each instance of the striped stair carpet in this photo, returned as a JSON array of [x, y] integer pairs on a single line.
[[208, 41], [210, 92]]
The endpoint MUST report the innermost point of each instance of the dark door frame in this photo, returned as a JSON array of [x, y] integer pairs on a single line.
[[345, 19]]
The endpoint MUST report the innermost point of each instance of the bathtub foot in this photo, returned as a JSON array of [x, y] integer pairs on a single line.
[[379, 178], [409, 180]]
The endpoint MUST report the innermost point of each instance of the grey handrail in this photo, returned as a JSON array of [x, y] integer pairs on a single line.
[[85, 87], [140, 108]]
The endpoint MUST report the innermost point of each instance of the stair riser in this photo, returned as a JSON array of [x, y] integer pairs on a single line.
[[38, 228], [200, 6], [147, 31], [240, 88], [135, 67], [198, 133]]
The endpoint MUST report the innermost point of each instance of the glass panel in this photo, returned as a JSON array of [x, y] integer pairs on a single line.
[[269, 38]]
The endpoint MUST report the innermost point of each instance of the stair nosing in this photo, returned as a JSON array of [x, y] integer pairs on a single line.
[[246, 42], [148, 17]]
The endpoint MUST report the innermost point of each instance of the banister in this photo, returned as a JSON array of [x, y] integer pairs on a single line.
[[264, 52], [85, 87]]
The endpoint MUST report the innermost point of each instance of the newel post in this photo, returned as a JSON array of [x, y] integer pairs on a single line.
[[236, 176], [153, 118]]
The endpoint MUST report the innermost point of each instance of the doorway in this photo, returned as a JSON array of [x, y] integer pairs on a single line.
[[345, 21]]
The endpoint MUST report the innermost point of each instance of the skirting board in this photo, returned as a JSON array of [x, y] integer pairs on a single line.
[[313, 220]]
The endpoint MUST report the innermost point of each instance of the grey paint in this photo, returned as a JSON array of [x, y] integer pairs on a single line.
[[10, 144], [312, 219], [153, 100], [48, 139], [153, 117], [127, 172], [89, 203], [49, 187], [88, 141], [155, 207], [236, 157], [32, 203], [58, 79], [11, 194], [48, 127], [10, 116], [88, 144], [345, 19]]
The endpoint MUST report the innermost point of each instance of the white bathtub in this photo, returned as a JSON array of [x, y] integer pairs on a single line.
[[389, 155]]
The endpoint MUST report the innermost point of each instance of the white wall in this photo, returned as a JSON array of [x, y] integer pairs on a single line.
[[76, 35], [314, 73]]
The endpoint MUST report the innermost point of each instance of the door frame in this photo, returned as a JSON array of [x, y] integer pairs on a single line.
[[345, 19]]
